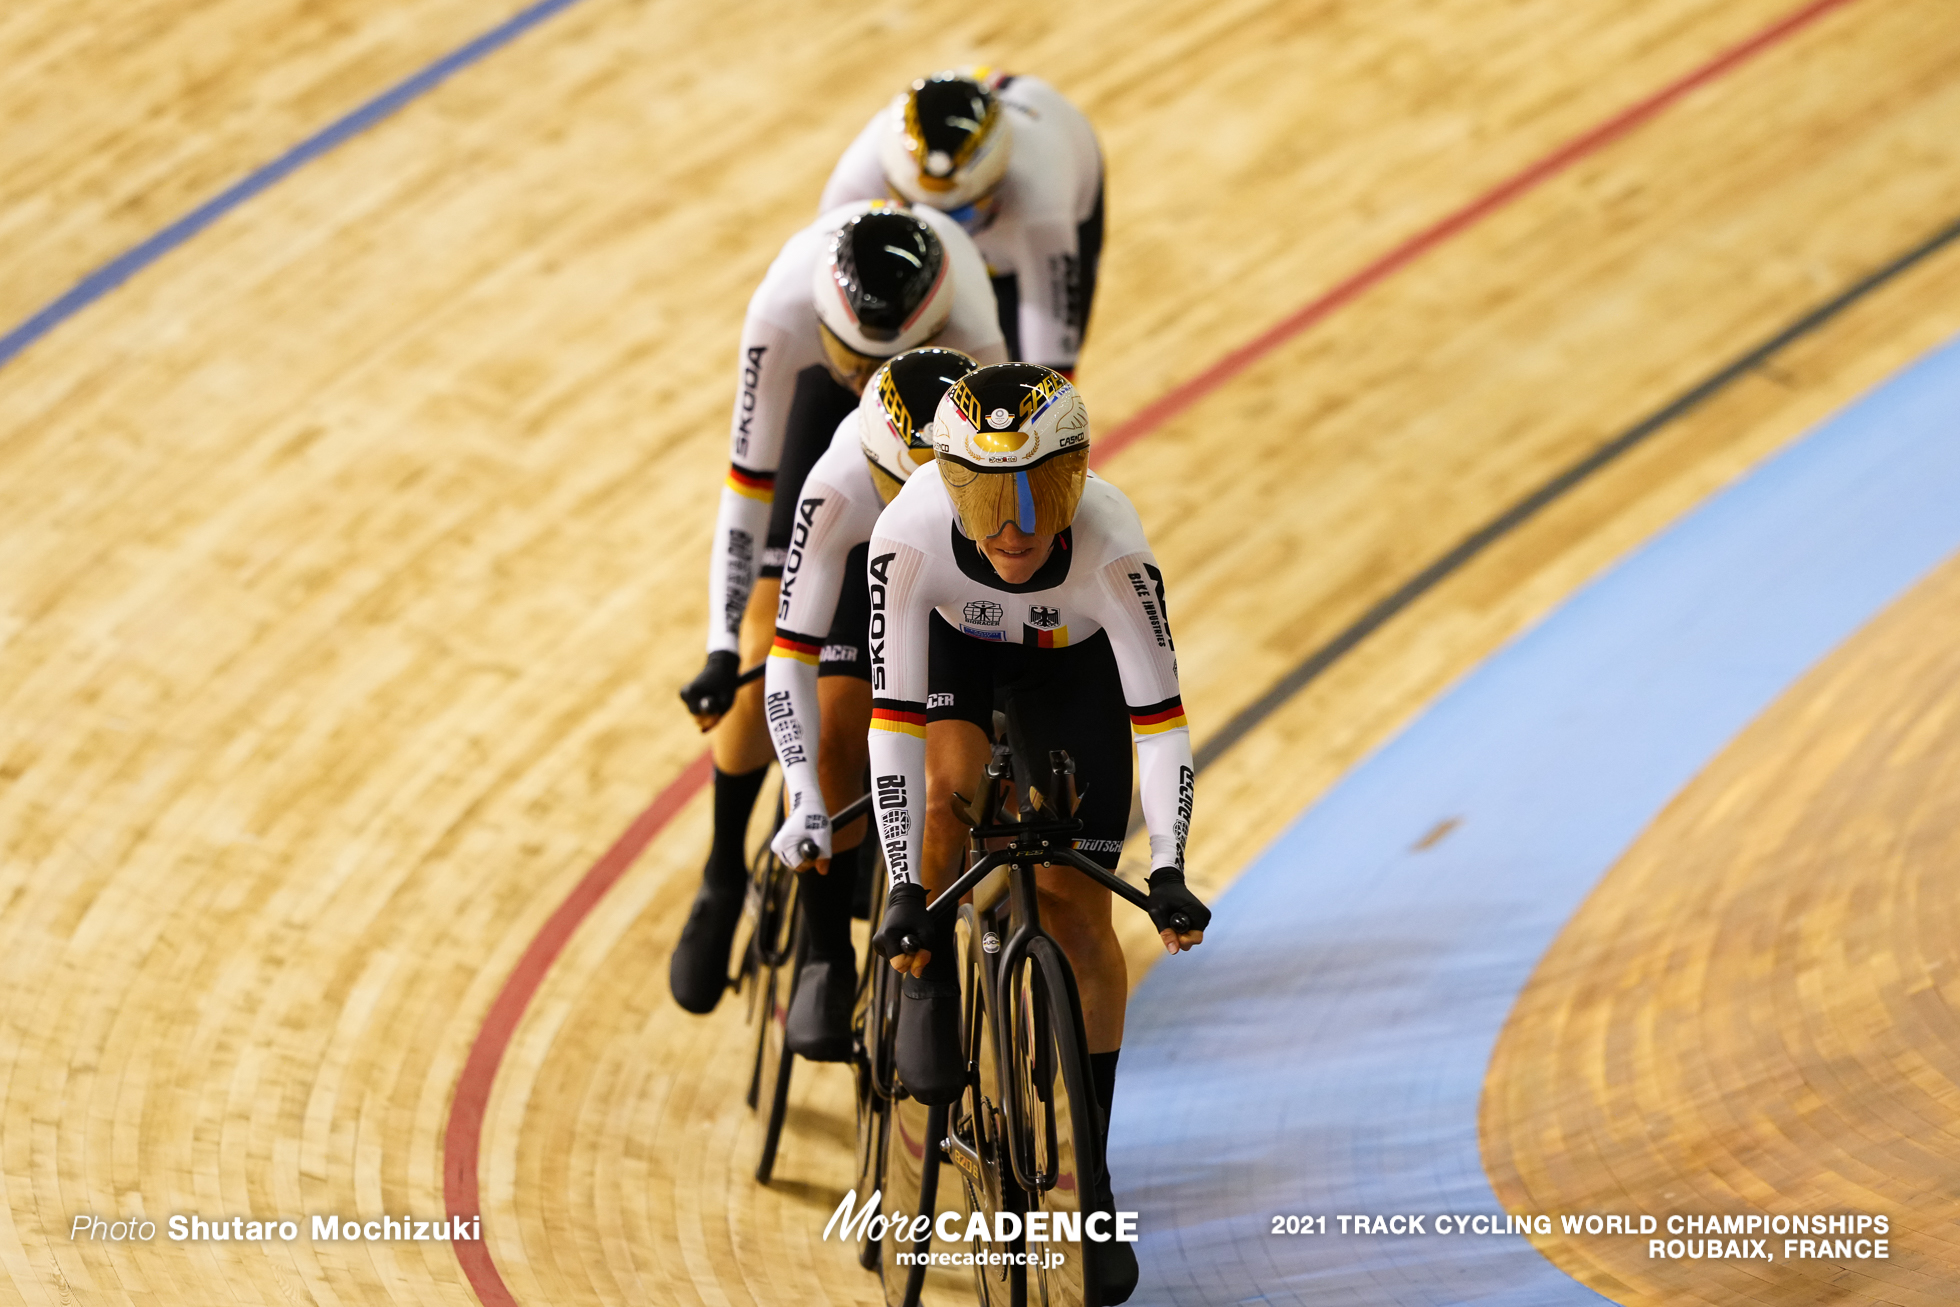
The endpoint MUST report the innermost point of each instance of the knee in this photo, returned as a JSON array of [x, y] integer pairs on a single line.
[[1082, 928]]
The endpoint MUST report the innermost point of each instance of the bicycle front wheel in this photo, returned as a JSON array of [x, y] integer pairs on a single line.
[[773, 1060], [912, 1156], [1058, 1141], [873, 1027]]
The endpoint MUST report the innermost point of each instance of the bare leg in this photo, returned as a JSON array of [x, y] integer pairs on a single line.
[[956, 761], [842, 750], [1076, 911]]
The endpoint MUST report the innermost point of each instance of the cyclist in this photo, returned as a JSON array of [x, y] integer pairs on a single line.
[[1004, 568], [817, 696], [862, 283], [1018, 166]]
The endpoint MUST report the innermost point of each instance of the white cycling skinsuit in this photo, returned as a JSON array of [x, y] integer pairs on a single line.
[[782, 354], [1045, 229], [1100, 577], [835, 514]]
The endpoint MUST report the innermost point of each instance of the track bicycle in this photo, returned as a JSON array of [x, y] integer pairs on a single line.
[[1025, 1136], [776, 946]]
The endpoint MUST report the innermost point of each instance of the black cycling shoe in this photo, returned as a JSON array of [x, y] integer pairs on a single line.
[[818, 1026], [698, 974], [928, 1052], [1116, 1268]]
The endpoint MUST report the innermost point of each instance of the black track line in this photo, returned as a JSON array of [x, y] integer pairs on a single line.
[[1310, 668]]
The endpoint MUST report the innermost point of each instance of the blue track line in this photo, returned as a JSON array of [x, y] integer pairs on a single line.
[[138, 257], [1324, 1052]]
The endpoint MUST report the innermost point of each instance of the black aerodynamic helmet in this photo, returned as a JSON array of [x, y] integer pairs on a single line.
[[883, 287], [949, 145]]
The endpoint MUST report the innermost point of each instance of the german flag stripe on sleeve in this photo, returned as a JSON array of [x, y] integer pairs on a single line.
[[788, 644], [901, 715], [1158, 717], [751, 485]]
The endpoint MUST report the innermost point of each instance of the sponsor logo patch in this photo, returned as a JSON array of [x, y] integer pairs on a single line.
[[983, 612]]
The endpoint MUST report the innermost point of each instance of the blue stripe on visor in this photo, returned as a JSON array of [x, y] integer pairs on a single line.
[[1024, 497]]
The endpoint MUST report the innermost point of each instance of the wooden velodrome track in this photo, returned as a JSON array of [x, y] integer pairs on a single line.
[[1755, 1009], [354, 550]]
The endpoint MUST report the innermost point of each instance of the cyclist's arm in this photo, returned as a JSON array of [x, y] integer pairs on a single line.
[[900, 614], [829, 523], [765, 385], [1138, 623], [1050, 279], [859, 174]]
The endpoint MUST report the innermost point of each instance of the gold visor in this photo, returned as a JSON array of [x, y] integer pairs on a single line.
[[846, 364], [1040, 500]]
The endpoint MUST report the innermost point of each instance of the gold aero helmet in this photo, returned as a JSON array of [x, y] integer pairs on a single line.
[[1012, 442], [895, 416], [949, 142], [883, 285]]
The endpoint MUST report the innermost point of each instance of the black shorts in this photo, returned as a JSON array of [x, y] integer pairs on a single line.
[[1064, 698], [816, 408], [844, 651]]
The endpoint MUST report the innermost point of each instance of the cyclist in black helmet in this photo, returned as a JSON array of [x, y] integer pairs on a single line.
[[1017, 165], [862, 283]]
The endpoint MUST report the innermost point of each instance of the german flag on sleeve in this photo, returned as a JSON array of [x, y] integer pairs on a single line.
[[1158, 717], [759, 486], [789, 644], [901, 715]]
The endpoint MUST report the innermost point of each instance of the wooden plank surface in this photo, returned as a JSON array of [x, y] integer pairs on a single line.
[[1754, 1012], [355, 551], [121, 117]]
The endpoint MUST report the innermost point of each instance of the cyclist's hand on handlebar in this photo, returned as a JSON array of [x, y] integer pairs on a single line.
[[804, 837], [710, 695], [1179, 915], [903, 930]]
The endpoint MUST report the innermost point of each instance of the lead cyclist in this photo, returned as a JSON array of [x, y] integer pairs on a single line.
[[1005, 569]]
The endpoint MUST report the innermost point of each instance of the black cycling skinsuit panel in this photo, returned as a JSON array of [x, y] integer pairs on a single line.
[[845, 652], [1088, 262], [815, 409], [1067, 699], [1007, 298]]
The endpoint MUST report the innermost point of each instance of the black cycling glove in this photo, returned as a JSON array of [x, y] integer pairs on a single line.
[[713, 691], [905, 914], [1169, 898]]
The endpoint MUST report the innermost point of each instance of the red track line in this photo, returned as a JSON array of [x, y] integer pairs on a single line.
[[1184, 395], [463, 1137]]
